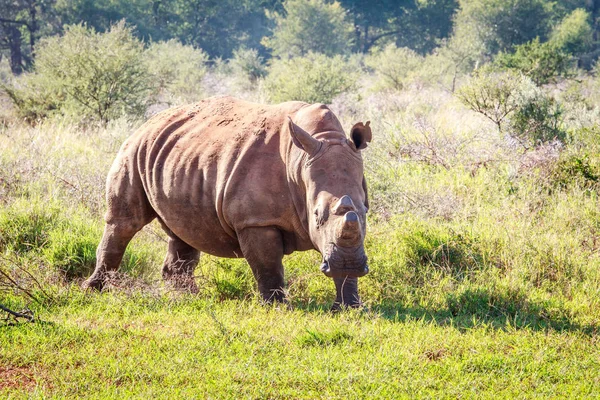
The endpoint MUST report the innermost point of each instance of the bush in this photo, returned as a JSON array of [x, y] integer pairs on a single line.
[[315, 78], [496, 95], [542, 62], [247, 64], [538, 120], [574, 34], [93, 75], [310, 26], [393, 66], [35, 97], [176, 69], [515, 105], [498, 25]]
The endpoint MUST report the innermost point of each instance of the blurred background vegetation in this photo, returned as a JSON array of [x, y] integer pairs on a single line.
[[484, 170]]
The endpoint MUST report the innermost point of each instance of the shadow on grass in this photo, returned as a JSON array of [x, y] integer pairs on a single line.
[[480, 307]]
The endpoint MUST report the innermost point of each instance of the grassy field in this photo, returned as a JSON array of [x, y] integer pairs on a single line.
[[485, 275], [115, 346]]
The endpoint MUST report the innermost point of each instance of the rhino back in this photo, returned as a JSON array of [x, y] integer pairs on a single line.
[[213, 168]]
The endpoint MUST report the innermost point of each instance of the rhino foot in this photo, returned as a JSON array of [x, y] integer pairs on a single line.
[[94, 284]]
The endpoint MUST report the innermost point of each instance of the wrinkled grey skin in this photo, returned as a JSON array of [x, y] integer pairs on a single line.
[[237, 179]]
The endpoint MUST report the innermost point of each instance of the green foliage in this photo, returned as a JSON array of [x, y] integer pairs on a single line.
[[66, 244], [542, 62], [309, 26], [511, 100], [498, 25], [176, 70], [538, 120], [87, 74], [574, 34], [35, 96], [575, 169], [496, 95], [247, 65], [25, 227], [101, 74], [314, 78], [393, 66]]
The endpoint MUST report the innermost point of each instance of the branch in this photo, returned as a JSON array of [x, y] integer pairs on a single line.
[[28, 314], [376, 38], [12, 21]]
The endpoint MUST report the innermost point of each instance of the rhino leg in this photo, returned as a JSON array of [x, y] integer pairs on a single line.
[[110, 252], [179, 265], [128, 211], [346, 293], [263, 249]]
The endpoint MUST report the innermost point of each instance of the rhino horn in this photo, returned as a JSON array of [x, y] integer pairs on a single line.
[[343, 205], [349, 233], [302, 139]]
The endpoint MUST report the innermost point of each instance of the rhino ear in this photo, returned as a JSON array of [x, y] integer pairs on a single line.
[[302, 139], [361, 134]]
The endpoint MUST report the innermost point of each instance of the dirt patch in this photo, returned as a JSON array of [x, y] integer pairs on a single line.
[[16, 378]]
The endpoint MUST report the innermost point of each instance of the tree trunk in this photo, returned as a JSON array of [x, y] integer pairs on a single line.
[[14, 42]]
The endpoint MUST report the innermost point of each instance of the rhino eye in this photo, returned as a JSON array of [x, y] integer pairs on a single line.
[[319, 217]]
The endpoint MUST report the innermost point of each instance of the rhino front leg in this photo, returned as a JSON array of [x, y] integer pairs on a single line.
[[180, 262], [263, 249], [346, 293]]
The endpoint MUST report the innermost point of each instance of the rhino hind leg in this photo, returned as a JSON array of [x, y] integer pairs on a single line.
[[180, 262], [109, 253], [128, 212], [263, 249]]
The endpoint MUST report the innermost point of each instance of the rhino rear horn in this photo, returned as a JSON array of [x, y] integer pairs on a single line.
[[302, 139]]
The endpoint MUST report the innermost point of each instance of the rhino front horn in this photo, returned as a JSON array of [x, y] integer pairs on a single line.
[[349, 233], [351, 223]]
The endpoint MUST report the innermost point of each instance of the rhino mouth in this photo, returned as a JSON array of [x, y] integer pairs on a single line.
[[339, 262]]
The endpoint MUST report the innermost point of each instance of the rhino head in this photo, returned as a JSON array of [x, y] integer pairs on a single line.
[[332, 174]]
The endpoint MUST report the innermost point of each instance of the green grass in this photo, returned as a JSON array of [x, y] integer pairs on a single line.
[[484, 283], [110, 346]]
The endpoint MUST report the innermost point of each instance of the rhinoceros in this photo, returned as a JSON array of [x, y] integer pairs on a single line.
[[238, 179]]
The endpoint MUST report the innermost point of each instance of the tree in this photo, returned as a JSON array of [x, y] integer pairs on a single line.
[[314, 78], [498, 25], [310, 26], [574, 33], [89, 74], [20, 29], [176, 70], [393, 65], [542, 62]]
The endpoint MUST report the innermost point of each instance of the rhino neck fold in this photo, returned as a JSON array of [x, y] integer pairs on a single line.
[[294, 162]]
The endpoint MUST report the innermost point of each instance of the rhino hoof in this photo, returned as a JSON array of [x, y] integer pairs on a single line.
[[93, 284]]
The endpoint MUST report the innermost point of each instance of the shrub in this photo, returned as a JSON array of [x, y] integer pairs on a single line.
[[497, 25], [542, 62], [88, 74], [176, 69], [538, 120], [247, 64], [515, 105], [310, 26], [393, 66], [35, 97], [496, 95], [574, 34], [315, 78]]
